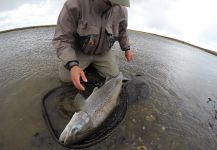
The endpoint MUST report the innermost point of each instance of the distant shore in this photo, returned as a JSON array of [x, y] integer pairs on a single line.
[[181, 41]]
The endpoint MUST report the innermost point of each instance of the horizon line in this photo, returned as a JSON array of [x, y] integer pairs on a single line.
[[145, 32]]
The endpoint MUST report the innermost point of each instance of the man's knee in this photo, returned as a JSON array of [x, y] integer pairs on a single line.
[[113, 71], [107, 65], [84, 62], [108, 74]]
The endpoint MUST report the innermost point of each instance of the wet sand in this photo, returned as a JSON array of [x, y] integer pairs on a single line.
[[179, 113]]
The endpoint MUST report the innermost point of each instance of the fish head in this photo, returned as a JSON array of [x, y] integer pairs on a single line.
[[76, 129]]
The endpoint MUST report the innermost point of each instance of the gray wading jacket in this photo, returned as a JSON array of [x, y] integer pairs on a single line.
[[89, 26]]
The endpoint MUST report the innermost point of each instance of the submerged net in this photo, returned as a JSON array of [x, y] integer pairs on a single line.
[[58, 108]]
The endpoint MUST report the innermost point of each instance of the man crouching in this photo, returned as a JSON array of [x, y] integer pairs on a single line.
[[85, 32]]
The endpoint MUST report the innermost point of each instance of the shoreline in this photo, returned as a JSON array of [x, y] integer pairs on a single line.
[[170, 38]]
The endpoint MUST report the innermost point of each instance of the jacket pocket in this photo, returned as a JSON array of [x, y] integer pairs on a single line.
[[111, 34], [88, 38]]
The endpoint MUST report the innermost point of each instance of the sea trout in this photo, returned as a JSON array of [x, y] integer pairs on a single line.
[[95, 109]]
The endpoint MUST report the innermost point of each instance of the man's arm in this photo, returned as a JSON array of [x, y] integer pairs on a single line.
[[123, 37], [64, 42], [64, 37]]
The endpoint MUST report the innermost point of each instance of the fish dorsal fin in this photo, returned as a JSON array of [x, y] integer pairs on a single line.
[[79, 101], [95, 89]]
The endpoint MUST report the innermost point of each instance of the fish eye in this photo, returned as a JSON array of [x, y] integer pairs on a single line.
[[74, 130]]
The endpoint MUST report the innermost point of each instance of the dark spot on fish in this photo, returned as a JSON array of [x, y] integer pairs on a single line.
[[124, 81]]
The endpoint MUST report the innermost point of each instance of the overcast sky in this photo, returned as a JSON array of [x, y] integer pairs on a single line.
[[194, 21]]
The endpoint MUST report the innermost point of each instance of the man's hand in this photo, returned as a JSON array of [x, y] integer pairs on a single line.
[[129, 55], [76, 74]]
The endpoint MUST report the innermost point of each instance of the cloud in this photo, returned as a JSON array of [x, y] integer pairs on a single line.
[[13, 4], [30, 14], [193, 17], [149, 14], [193, 21]]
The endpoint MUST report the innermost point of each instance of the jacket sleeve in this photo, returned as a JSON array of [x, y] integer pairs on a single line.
[[64, 37], [123, 36]]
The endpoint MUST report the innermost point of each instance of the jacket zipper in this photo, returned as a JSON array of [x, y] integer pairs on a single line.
[[101, 29]]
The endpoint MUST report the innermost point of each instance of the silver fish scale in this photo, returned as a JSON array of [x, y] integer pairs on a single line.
[[101, 107]]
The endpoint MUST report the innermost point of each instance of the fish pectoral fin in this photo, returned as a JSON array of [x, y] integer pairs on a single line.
[[79, 101]]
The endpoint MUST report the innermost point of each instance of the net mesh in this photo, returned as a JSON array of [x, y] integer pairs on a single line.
[[58, 108]]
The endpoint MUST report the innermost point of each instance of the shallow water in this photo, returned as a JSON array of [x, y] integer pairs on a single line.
[[179, 113]]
